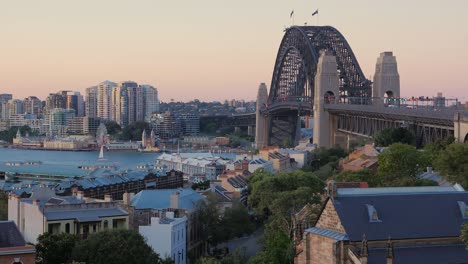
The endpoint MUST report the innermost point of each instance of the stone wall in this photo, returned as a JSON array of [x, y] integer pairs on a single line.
[[329, 219]]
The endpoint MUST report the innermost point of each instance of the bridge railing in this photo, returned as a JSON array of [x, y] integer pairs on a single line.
[[299, 99], [430, 104]]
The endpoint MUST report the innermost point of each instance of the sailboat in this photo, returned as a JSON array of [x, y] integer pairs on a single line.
[[101, 153]]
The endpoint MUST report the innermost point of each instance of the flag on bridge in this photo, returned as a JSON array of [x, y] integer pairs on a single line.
[[315, 12], [292, 13]]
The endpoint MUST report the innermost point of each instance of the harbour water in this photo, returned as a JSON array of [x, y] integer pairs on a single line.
[[121, 159]]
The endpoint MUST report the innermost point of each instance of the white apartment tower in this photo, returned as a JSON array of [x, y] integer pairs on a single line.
[[150, 100], [104, 102]]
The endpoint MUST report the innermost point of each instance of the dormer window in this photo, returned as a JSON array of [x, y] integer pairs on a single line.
[[373, 214], [463, 209]]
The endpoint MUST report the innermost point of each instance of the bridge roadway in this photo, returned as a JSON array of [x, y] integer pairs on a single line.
[[428, 123], [442, 117]]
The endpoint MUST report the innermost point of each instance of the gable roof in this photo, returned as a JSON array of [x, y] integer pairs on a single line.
[[401, 215], [161, 199], [10, 236]]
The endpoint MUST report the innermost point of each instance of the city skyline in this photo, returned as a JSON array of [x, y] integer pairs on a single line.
[[214, 51]]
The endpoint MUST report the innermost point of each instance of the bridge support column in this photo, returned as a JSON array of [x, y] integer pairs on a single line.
[[261, 132], [460, 125], [326, 89], [386, 78]]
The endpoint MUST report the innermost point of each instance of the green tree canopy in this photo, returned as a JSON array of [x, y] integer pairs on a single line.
[[390, 136], [55, 248], [113, 128], [115, 246], [453, 163], [399, 161]]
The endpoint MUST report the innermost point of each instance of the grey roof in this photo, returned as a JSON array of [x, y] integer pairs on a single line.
[[402, 215], [161, 199], [10, 236], [327, 233], [84, 215]]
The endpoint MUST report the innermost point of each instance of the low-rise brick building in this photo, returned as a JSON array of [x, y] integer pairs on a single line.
[[388, 225]]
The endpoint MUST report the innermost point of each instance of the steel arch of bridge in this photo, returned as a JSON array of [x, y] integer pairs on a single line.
[[296, 65]]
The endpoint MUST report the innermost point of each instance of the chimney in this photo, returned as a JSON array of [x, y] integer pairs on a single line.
[[175, 200], [108, 198], [429, 169], [127, 198], [79, 195]]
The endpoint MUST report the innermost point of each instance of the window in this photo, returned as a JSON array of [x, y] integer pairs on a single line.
[[106, 224], [67, 228]]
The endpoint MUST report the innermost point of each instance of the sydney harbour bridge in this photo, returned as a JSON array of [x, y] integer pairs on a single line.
[[317, 74]]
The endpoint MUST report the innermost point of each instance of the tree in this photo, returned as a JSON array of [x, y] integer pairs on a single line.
[[390, 136], [453, 163], [134, 131], [278, 248], [464, 234], [433, 150], [113, 128], [217, 226], [399, 161], [55, 248], [115, 246]]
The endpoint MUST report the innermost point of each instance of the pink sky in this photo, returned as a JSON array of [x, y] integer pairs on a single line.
[[214, 50]]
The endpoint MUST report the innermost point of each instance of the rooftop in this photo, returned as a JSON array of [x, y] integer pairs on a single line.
[[161, 199], [10, 236]]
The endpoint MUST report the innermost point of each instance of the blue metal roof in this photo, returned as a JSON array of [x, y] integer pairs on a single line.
[[161, 199], [327, 233], [84, 215], [402, 216], [398, 190]]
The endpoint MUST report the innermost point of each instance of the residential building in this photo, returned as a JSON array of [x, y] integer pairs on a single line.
[[388, 225], [362, 158], [234, 184], [91, 104], [251, 164], [13, 248], [127, 103], [15, 107], [104, 99], [150, 101], [158, 203], [32, 105], [55, 100], [190, 123], [167, 236], [83, 125], [59, 119], [74, 100], [169, 128], [46, 212]]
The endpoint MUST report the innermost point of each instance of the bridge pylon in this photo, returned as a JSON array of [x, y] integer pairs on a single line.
[[261, 123], [386, 78], [326, 92]]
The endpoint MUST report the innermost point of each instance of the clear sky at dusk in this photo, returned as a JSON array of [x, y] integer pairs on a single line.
[[215, 49]]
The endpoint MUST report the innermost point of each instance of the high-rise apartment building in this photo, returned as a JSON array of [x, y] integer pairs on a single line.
[[150, 101], [75, 101], [15, 107], [91, 102], [104, 102], [32, 105], [55, 100], [127, 103]]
